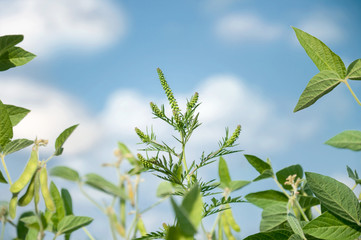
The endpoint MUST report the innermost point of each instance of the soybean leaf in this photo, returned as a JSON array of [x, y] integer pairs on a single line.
[[6, 129], [165, 188], [13, 57], [273, 216], [65, 173], [238, 184], [127, 153], [297, 237], [21, 229], [285, 172], [223, 172], [266, 198], [98, 182], [68, 203], [183, 219], [335, 196], [321, 84], [192, 203], [59, 204], [62, 138], [295, 225], [350, 139], [32, 234], [271, 235], [2, 178], [308, 201], [16, 145], [320, 54], [353, 175], [328, 226], [71, 223], [9, 41], [173, 233], [354, 70], [16, 113], [261, 166]]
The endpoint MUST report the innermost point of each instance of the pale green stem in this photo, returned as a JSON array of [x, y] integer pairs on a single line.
[[41, 227], [47, 160], [184, 159], [353, 188], [353, 94], [112, 226], [289, 197], [154, 204], [317, 210], [90, 198], [5, 168], [2, 228], [88, 233]]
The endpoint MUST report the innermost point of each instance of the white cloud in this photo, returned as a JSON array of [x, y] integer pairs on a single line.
[[52, 111], [246, 27], [325, 25], [66, 24]]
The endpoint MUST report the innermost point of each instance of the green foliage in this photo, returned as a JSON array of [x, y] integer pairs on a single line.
[[286, 214]]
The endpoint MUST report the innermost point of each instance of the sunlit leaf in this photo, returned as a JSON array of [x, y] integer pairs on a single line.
[[65, 173], [71, 223], [62, 138], [350, 139], [16, 145], [354, 70]]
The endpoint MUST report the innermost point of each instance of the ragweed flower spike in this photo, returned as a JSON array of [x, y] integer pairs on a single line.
[[172, 101], [156, 111], [142, 135], [193, 101], [145, 163], [234, 137]]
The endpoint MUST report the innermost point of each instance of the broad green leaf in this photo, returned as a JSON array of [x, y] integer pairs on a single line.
[[16, 145], [271, 235], [192, 203], [297, 237], [65, 173], [2, 178], [321, 84], [238, 184], [62, 138], [127, 153], [328, 226], [21, 229], [13, 57], [273, 216], [295, 225], [335, 196], [175, 233], [16, 113], [353, 175], [31, 220], [223, 172], [98, 182], [350, 139], [9, 41], [261, 166], [183, 219], [266, 198], [320, 54], [71, 223], [59, 204], [6, 129], [308, 201], [165, 188], [291, 170], [32, 234], [354, 70], [68, 203]]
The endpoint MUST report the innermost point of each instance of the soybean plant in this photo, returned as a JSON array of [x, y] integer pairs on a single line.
[[57, 217]]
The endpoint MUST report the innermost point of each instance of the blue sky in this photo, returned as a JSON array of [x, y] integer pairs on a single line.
[[96, 65]]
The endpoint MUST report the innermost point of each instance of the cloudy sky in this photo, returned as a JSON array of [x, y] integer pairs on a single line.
[[96, 65]]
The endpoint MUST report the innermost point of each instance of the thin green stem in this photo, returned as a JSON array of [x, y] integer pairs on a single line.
[[353, 188], [353, 94], [184, 158], [90, 198], [154, 204], [281, 187], [88, 233], [112, 226], [301, 210], [47, 160], [2, 228], [5, 168], [41, 227]]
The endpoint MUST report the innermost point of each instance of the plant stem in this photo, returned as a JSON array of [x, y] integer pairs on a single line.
[[353, 188], [154, 204], [301, 210], [2, 228], [88, 233], [5, 168], [184, 158], [281, 187], [353, 94], [89, 198]]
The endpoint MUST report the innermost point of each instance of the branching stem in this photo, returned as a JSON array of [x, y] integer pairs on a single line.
[[5, 168], [353, 94]]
